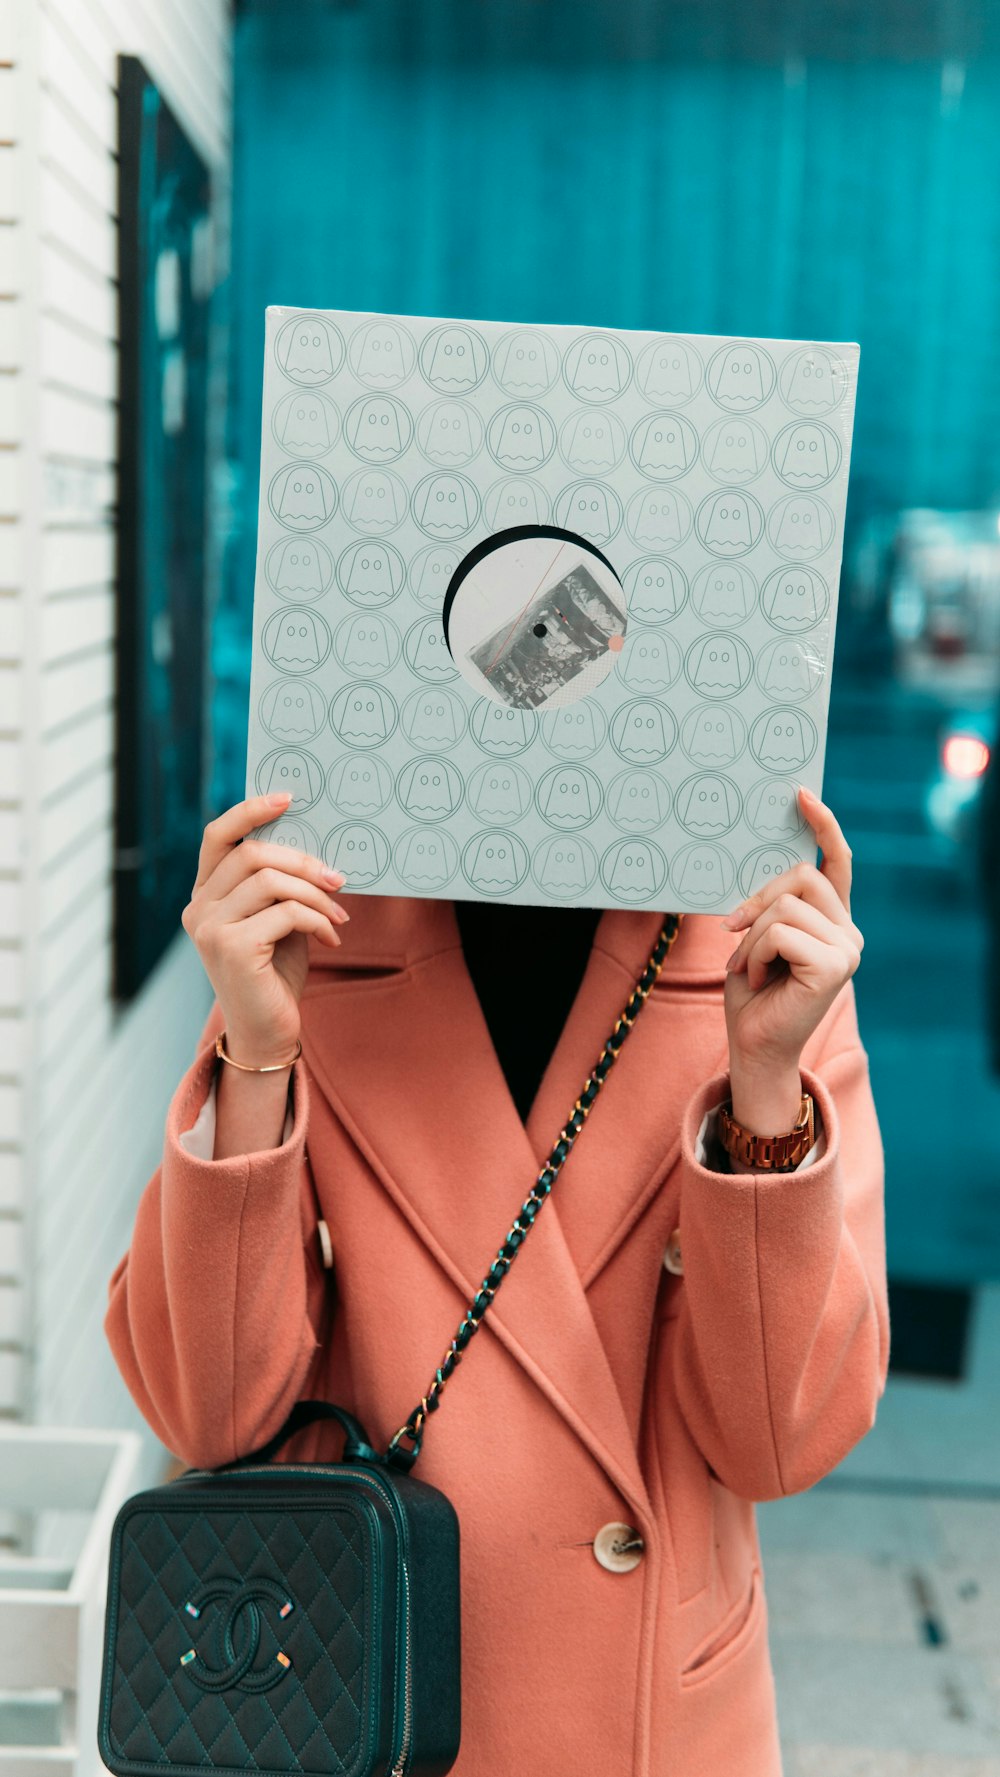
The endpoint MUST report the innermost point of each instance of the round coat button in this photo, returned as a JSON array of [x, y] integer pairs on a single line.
[[618, 1547], [672, 1257]]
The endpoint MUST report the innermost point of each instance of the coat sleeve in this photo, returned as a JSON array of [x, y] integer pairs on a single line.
[[781, 1344], [219, 1307]]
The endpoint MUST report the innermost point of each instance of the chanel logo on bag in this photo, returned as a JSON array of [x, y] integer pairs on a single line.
[[238, 1624]]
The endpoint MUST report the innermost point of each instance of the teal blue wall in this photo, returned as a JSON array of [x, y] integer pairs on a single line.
[[522, 161]]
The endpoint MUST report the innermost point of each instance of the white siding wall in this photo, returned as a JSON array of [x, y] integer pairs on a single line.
[[83, 1088]]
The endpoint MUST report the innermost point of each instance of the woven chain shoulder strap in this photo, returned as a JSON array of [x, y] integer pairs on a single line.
[[413, 1428]]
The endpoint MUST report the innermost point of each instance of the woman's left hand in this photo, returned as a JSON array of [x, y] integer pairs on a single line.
[[799, 947]]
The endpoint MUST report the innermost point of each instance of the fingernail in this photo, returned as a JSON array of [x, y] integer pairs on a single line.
[[807, 793], [732, 959], [731, 919], [280, 796], [333, 878]]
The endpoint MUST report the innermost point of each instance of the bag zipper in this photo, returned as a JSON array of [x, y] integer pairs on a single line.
[[400, 1766], [269, 1468]]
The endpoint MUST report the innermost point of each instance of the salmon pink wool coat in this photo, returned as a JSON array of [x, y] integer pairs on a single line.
[[602, 1387]]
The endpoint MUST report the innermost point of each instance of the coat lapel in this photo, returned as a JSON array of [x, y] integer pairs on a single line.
[[394, 1036], [632, 1139]]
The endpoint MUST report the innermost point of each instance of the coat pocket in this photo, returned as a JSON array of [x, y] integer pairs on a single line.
[[737, 1630]]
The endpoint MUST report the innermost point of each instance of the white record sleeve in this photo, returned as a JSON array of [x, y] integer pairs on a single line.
[[546, 614]]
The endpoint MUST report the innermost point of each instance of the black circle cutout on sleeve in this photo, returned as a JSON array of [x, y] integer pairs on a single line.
[[531, 626]]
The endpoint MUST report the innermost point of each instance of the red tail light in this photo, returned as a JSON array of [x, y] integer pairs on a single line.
[[965, 755]]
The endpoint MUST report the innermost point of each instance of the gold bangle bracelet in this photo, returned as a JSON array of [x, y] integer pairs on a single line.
[[273, 1067]]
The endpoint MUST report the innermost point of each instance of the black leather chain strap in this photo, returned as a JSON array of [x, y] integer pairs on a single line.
[[413, 1428]]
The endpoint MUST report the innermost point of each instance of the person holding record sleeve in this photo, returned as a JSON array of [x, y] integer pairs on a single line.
[[698, 1322]]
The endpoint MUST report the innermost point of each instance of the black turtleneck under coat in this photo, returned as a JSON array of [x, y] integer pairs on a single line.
[[526, 965]]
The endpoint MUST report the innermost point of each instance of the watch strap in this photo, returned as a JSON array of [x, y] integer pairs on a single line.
[[769, 1153]]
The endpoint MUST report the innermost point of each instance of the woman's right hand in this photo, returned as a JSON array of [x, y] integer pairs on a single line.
[[252, 908]]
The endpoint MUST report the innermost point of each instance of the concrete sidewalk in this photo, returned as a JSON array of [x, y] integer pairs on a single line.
[[883, 1586]]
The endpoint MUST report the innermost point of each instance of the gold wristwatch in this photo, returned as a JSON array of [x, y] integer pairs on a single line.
[[769, 1153]]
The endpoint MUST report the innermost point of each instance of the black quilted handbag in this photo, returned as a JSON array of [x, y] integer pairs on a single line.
[[304, 1617]]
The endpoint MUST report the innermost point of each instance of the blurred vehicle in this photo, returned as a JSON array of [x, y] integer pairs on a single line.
[[924, 587], [943, 607], [943, 601]]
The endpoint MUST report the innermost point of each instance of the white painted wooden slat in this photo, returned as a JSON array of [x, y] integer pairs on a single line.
[[94, 203], [75, 1287], [84, 830], [11, 273], [11, 975], [11, 498], [11, 1132], [11, 406], [86, 1166], [89, 1125], [64, 216], [11, 344], [11, 859], [9, 47], [141, 1062], [90, 103], [77, 558], [69, 689], [11, 1196], [11, 1245], [93, 882], [11, 184], [184, 23], [83, 1010], [12, 905], [74, 360], [11, 694], [61, 951], [11, 766], [172, 47], [75, 830], [11, 645], [13, 914], [69, 625], [12, 1320], [73, 749], [77, 496], [66, 66], [10, 1368], [69, 287], [49, 87], [12, 1050], [11, 1179], [8, 87], [66, 141], [86, 923], [78, 1293], [11, 558], [75, 426]]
